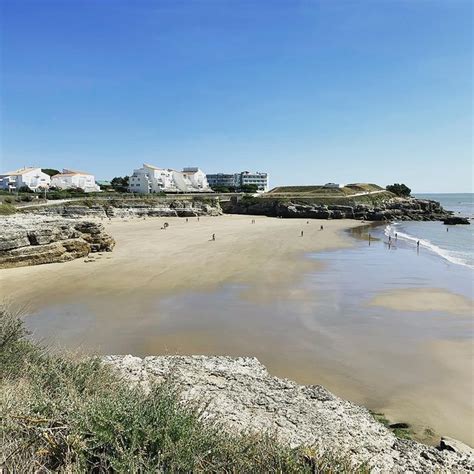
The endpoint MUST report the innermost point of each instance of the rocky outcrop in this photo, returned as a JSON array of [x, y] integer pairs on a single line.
[[133, 208], [453, 220], [241, 394], [393, 209], [32, 240]]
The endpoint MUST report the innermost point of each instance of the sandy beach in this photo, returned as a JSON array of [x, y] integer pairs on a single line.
[[150, 260], [363, 321]]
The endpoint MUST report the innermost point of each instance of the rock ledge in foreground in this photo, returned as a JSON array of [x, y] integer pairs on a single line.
[[244, 396]]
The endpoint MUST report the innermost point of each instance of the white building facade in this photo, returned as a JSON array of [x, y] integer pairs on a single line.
[[70, 179], [151, 179], [33, 178], [237, 180]]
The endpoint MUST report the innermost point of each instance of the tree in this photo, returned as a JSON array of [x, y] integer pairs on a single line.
[[399, 189], [249, 188], [50, 171], [24, 189], [120, 184]]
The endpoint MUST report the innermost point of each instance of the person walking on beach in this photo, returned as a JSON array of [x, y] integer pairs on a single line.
[[213, 236], [396, 236], [321, 228], [369, 238], [301, 233], [186, 219], [418, 246]]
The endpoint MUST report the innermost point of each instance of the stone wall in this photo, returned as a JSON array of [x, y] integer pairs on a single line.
[[33, 240]]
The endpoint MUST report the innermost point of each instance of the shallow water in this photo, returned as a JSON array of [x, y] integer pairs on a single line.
[[414, 366]]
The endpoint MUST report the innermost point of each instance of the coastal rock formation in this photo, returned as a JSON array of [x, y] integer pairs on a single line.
[[32, 240], [453, 220], [241, 394], [396, 208], [133, 208]]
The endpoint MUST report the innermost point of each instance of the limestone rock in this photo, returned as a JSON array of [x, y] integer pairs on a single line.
[[33, 240], [245, 397]]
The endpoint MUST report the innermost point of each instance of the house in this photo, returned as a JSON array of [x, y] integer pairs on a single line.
[[33, 178], [70, 179], [333, 185], [151, 179]]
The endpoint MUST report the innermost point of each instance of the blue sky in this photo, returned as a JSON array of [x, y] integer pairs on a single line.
[[310, 91]]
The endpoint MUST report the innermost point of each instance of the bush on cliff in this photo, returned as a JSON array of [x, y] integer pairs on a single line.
[[401, 190], [66, 414]]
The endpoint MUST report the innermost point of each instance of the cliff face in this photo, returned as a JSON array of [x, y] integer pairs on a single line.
[[133, 208], [32, 240], [244, 396], [397, 208]]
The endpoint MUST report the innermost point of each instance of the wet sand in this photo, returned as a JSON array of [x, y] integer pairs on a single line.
[[148, 260], [424, 299]]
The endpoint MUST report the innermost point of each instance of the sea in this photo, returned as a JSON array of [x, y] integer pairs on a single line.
[[453, 243]]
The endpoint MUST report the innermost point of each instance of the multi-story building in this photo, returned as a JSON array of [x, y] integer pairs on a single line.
[[222, 179], [151, 179], [237, 180], [33, 178], [70, 179], [259, 179]]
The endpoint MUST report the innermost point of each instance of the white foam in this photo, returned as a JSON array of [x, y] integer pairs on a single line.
[[443, 253]]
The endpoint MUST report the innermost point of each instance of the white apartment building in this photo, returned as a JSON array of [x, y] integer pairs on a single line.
[[33, 178], [151, 179], [70, 179], [260, 179], [237, 180]]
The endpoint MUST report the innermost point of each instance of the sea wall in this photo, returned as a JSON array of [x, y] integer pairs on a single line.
[[240, 393], [132, 208], [34, 239], [397, 208]]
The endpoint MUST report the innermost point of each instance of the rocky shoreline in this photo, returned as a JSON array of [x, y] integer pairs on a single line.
[[392, 209], [241, 394], [132, 208], [33, 240]]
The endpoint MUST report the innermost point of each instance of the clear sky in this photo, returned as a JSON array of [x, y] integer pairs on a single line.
[[310, 91]]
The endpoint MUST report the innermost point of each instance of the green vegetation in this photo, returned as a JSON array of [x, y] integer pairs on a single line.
[[7, 209], [399, 189], [66, 414], [120, 184], [50, 171], [400, 430], [246, 188], [325, 192]]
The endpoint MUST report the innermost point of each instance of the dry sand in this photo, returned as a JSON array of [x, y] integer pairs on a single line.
[[149, 260], [423, 299]]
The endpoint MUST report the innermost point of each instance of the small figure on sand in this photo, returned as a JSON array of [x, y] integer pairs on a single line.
[[418, 246], [447, 229], [307, 222], [396, 236], [301, 233], [198, 218], [321, 228], [187, 219], [213, 236]]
